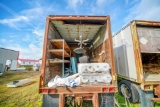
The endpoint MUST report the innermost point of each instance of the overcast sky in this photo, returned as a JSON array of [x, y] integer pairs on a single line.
[[22, 22]]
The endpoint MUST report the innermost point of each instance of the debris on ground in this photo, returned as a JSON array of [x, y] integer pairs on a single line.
[[18, 83]]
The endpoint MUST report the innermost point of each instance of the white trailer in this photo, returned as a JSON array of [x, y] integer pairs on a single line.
[[137, 61]]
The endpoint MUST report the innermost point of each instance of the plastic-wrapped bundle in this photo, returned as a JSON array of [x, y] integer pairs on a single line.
[[88, 68], [94, 72], [72, 81]]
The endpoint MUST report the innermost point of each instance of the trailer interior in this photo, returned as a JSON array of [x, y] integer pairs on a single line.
[[150, 51], [98, 48]]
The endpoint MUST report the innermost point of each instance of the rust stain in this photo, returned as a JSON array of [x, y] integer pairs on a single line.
[[87, 32], [137, 54], [157, 91], [78, 33], [77, 18], [150, 23], [68, 31]]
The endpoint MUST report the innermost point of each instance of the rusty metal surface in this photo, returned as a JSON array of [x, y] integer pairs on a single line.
[[70, 32], [155, 99], [136, 31], [111, 46], [44, 51], [151, 62], [88, 29], [78, 101], [151, 67], [61, 100], [103, 58], [77, 17], [95, 100], [148, 23], [151, 82], [41, 81], [52, 70], [106, 46], [137, 53], [157, 91], [79, 89], [149, 38]]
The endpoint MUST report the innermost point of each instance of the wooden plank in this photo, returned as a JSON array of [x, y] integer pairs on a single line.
[[59, 52], [57, 61], [59, 43]]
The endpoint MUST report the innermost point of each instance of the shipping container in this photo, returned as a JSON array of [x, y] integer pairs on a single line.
[[59, 42], [137, 61]]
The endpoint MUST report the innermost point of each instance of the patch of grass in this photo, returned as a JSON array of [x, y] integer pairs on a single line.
[[87, 103], [25, 96], [157, 104], [121, 101]]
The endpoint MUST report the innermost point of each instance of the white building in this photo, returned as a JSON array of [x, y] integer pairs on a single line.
[[25, 62], [9, 57]]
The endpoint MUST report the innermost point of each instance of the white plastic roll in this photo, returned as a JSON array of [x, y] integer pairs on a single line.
[[72, 77], [91, 79], [84, 79]]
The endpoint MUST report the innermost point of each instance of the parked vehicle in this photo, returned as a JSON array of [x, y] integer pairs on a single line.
[[60, 46], [137, 61]]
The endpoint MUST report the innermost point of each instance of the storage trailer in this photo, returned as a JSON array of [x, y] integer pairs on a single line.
[[59, 42], [137, 61]]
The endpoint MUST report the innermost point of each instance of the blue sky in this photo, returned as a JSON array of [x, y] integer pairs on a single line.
[[22, 22]]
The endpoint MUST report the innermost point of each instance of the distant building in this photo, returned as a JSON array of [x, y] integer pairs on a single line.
[[8, 58], [27, 62]]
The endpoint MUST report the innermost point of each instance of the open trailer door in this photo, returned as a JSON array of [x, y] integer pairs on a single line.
[[99, 48]]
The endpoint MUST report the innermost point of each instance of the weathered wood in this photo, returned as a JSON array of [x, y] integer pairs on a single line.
[[104, 57], [151, 62], [52, 61], [52, 71], [59, 52], [59, 43]]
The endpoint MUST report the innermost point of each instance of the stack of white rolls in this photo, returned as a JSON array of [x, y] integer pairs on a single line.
[[94, 72]]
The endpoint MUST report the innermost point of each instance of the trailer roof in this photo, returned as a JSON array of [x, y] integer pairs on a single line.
[[77, 15], [8, 49], [140, 23], [71, 27], [73, 17]]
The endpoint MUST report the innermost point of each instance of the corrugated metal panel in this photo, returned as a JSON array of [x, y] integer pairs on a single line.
[[6, 54], [1, 67], [124, 37], [70, 32]]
